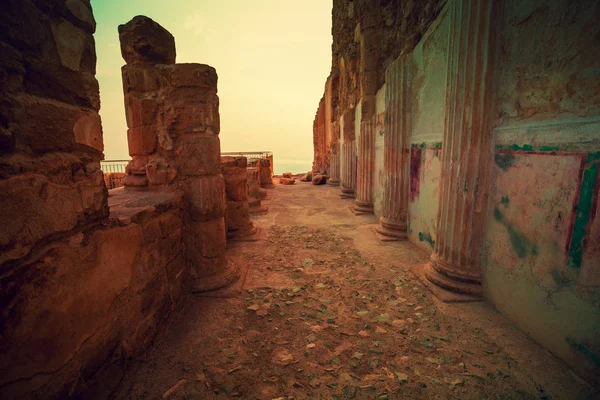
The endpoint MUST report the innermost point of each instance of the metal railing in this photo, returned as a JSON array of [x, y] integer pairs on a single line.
[[109, 166], [114, 172], [248, 154]]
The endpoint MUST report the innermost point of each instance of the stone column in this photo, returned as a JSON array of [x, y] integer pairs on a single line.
[[396, 156], [172, 113], [456, 261], [365, 168], [266, 173], [348, 155], [255, 193], [237, 217], [334, 175]]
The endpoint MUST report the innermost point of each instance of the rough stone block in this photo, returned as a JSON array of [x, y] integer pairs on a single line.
[[189, 110], [62, 84], [88, 131], [82, 12], [236, 188], [33, 208], [237, 216], [198, 155], [205, 196], [139, 111], [141, 141], [70, 43], [160, 171], [205, 239], [145, 41], [140, 78], [190, 75]]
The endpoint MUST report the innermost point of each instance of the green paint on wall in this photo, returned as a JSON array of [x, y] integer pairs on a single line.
[[518, 240], [584, 210], [504, 161], [584, 350], [426, 237], [505, 200], [527, 147], [548, 148]]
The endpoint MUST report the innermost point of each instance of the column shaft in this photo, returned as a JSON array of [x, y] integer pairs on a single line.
[[365, 168], [396, 158], [456, 261]]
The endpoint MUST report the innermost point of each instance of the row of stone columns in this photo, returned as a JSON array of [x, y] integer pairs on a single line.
[[456, 261]]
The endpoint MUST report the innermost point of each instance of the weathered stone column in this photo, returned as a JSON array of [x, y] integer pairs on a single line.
[[348, 155], [266, 173], [365, 168], [456, 261], [237, 218], [255, 193], [396, 156], [334, 174], [173, 118]]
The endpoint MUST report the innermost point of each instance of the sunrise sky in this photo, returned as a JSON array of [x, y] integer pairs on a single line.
[[272, 58]]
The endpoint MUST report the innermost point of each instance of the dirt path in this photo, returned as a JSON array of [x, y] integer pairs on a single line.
[[327, 311]]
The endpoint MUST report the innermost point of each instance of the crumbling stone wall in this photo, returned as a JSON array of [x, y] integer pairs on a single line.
[[173, 119], [367, 36], [84, 291]]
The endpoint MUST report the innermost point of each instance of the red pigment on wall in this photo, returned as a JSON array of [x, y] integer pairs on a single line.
[[415, 172]]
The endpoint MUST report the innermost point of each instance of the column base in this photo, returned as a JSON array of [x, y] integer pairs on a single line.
[[347, 193], [333, 182], [228, 275], [389, 231], [361, 208], [435, 273], [244, 234]]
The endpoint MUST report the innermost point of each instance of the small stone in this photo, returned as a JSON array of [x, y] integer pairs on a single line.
[[311, 346], [253, 307], [380, 330], [402, 378], [364, 334]]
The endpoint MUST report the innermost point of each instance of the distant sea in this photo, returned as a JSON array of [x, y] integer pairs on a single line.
[[293, 166]]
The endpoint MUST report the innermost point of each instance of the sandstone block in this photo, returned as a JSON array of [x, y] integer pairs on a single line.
[[82, 12], [319, 179], [237, 216], [88, 131], [141, 140], [190, 75], [70, 43], [287, 175], [139, 110], [137, 166], [198, 155], [62, 84], [144, 41], [160, 171], [205, 239], [205, 196], [33, 208], [198, 114], [287, 181], [140, 78], [135, 181]]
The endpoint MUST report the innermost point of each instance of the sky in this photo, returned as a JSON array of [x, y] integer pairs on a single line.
[[272, 58]]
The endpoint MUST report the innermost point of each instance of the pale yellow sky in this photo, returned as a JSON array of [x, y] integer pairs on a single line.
[[272, 58]]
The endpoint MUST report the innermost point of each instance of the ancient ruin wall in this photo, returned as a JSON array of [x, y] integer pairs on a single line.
[[83, 291], [542, 259], [367, 36]]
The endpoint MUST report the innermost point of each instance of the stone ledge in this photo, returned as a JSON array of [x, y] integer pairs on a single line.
[[128, 206]]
